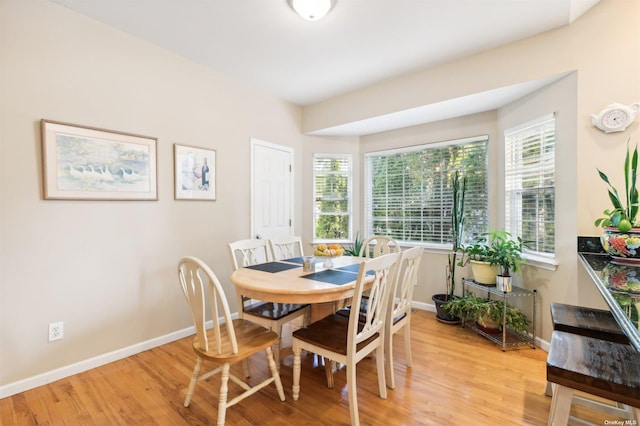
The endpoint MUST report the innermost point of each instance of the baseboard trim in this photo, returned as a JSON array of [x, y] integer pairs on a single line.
[[88, 364]]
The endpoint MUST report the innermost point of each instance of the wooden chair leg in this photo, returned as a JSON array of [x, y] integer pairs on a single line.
[[388, 360], [634, 413], [296, 370], [407, 344], [274, 373], [245, 368], [224, 390], [276, 347], [192, 383], [353, 395], [548, 389], [382, 386], [328, 370], [560, 405]]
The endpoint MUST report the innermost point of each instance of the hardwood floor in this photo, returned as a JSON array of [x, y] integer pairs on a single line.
[[458, 378]]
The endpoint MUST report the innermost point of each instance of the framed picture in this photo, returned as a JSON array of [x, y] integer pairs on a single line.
[[195, 173], [86, 163]]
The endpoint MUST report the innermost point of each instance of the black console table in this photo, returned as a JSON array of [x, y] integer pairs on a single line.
[[620, 287]]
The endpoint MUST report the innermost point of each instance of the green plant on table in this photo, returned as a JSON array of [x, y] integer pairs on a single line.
[[354, 249], [623, 215]]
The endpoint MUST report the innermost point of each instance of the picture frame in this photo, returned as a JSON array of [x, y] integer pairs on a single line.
[[88, 163], [195, 173]]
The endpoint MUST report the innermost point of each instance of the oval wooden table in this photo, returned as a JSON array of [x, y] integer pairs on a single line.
[[323, 288], [295, 286]]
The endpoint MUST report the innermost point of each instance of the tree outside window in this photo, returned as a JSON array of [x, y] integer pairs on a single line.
[[332, 197]]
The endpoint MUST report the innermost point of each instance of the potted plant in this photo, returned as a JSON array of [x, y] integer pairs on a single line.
[[621, 237], [483, 260], [508, 255], [354, 249], [488, 314], [459, 189]]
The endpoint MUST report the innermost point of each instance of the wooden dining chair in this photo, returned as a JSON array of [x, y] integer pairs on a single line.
[[348, 340], [286, 247], [269, 314], [378, 245], [381, 245], [399, 308], [228, 341]]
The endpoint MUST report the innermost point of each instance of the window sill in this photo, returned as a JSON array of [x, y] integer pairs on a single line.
[[541, 262]]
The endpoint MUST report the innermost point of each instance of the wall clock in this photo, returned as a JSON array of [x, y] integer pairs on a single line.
[[615, 117]]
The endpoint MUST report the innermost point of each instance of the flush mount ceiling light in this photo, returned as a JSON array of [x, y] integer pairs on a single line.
[[311, 10]]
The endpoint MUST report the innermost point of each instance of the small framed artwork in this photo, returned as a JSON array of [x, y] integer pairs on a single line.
[[87, 163], [195, 173]]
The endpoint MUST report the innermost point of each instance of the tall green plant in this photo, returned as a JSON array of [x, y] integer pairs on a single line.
[[457, 225], [623, 216], [354, 249]]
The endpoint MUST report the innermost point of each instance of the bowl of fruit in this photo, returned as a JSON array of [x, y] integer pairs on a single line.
[[328, 251]]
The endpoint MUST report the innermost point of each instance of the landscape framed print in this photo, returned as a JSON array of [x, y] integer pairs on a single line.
[[87, 163], [195, 173]]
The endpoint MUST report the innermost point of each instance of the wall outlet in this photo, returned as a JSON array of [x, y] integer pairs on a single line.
[[56, 331]]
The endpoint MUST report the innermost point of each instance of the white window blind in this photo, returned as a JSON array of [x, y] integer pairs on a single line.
[[530, 184], [332, 197], [409, 193]]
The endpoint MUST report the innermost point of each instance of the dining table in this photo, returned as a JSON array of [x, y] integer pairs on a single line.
[[285, 281]]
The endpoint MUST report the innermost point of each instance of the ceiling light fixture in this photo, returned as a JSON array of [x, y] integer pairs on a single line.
[[311, 10]]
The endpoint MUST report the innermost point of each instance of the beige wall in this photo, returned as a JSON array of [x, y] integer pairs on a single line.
[[107, 269], [600, 52]]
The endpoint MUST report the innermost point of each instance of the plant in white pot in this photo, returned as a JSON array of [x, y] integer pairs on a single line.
[[508, 255]]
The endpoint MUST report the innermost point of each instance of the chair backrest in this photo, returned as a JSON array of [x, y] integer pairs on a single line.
[[200, 284], [401, 295], [286, 247], [382, 270], [381, 245], [249, 252]]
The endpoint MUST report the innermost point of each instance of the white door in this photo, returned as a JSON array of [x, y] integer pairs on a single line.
[[271, 192]]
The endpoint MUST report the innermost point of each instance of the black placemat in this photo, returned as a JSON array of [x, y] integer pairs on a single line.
[[272, 266], [332, 276], [353, 268], [298, 260]]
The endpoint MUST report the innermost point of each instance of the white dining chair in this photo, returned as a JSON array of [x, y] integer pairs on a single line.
[[228, 341], [399, 308], [286, 247], [348, 340], [378, 245], [269, 314]]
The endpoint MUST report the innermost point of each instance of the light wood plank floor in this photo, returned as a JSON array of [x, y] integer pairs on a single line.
[[458, 378]]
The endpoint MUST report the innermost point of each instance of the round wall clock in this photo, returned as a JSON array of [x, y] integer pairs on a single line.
[[615, 117]]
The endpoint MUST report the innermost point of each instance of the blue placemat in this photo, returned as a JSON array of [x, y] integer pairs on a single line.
[[273, 266], [354, 268], [298, 260], [332, 276]]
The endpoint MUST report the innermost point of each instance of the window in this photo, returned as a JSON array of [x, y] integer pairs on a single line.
[[409, 191], [332, 197], [530, 184]]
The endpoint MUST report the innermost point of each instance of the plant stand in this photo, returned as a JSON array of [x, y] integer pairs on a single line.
[[507, 338]]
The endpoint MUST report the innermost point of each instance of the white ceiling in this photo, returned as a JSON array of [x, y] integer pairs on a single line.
[[360, 42]]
